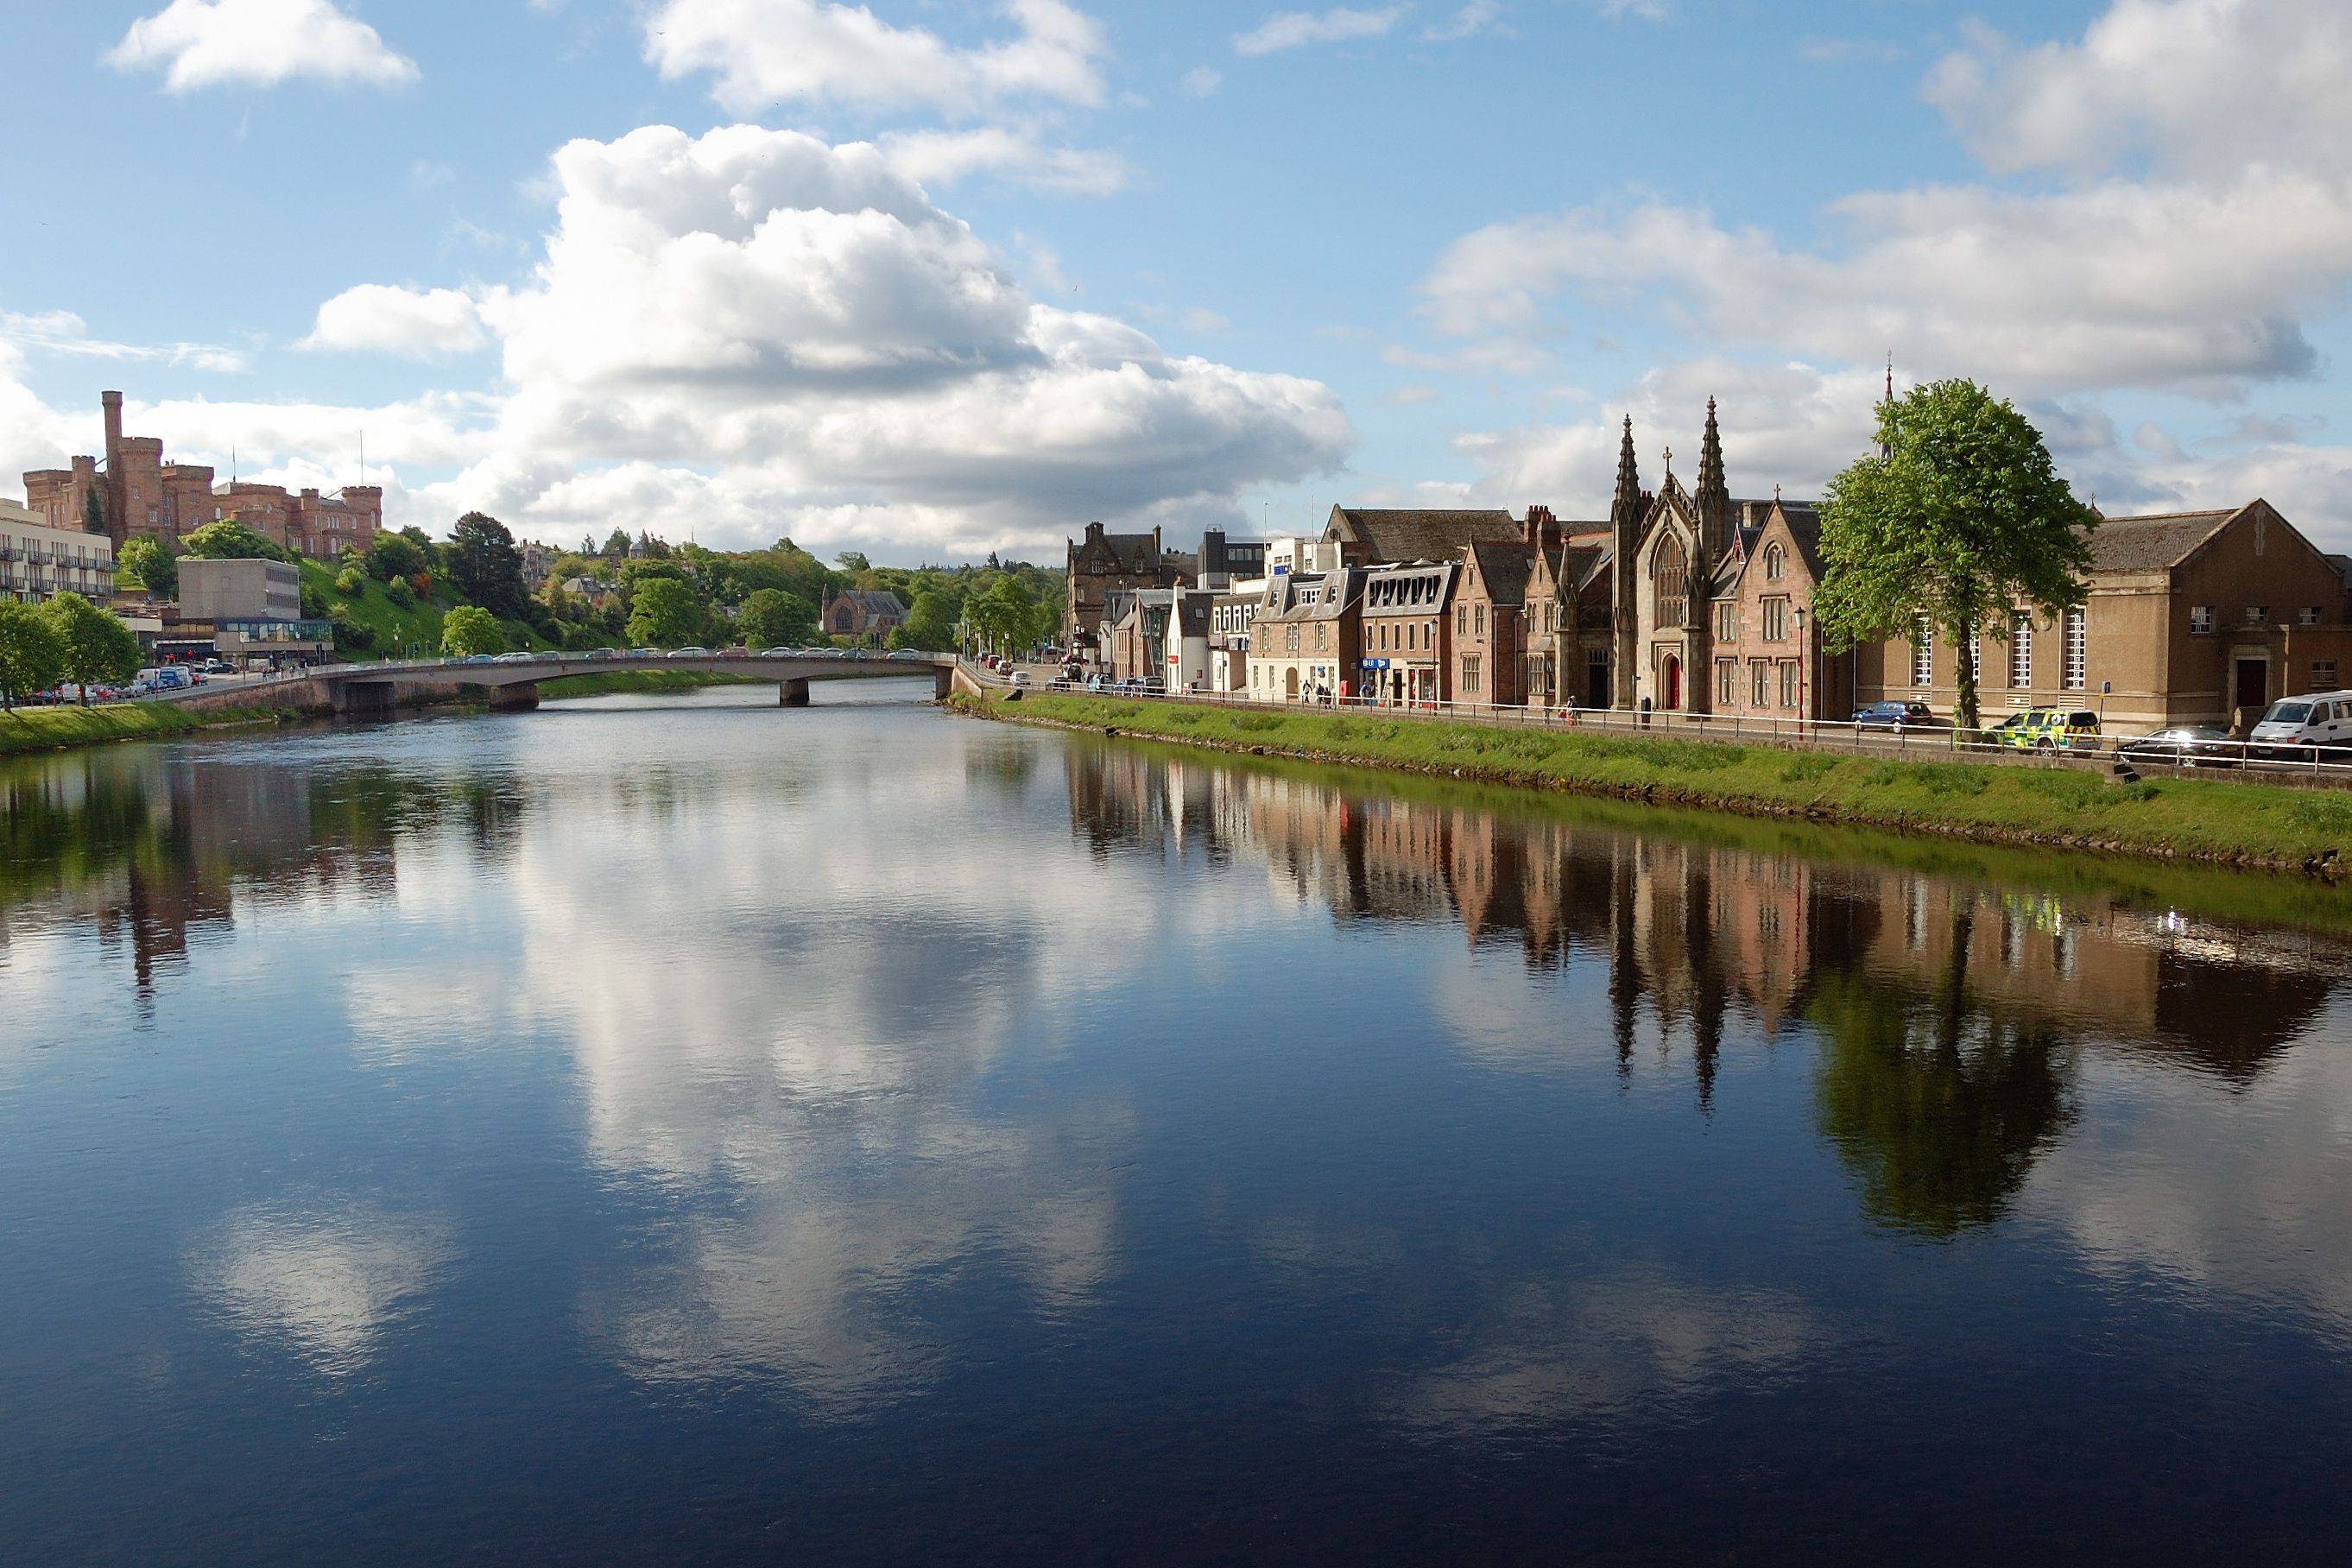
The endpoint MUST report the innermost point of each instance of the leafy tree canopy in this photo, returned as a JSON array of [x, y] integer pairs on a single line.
[[664, 614], [396, 555], [31, 657], [1962, 519], [148, 564], [484, 566], [94, 643], [773, 618], [229, 539], [470, 630]]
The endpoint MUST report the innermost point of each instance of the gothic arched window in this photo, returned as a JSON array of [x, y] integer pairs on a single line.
[[1670, 583], [1776, 566]]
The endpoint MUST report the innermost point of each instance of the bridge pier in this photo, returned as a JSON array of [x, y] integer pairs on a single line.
[[792, 694], [362, 698], [520, 698], [943, 682]]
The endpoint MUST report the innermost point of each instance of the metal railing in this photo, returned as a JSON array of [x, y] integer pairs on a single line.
[[1918, 742]]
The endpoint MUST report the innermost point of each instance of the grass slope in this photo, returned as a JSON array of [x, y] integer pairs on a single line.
[[2232, 823], [57, 728], [396, 628]]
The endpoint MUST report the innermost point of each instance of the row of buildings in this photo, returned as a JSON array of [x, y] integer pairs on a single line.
[[1688, 599], [130, 492]]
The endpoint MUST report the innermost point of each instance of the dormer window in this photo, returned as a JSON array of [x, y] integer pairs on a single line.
[[1776, 564]]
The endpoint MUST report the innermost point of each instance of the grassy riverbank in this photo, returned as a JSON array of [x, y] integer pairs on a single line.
[[628, 682], [2201, 819], [62, 729]]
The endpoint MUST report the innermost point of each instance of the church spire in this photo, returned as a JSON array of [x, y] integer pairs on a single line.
[[1713, 496], [1628, 499]]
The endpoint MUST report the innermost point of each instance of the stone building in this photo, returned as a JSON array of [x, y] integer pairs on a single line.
[[1306, 640], [863, 614], [1373, 536], [1490, 619], [1407, 632], [139, 495], [2190, 617], [1100, 565]]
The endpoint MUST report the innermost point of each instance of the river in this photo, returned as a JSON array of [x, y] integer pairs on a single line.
[[663, 1128]]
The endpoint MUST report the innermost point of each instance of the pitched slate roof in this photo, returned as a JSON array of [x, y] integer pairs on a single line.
[[1393, 534], [1505, 568], [874, 601], [2153, 543]]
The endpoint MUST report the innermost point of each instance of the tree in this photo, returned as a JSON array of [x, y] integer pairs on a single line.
[[94, 645], [395, 555], [1004, 614], [853, 561], [1960, 519], [93, 517], [930, 625], [665, 615], [470, 630], [773, 618], [147, 563], [484, 566], [617, 544], [229, 539], [31, 658]]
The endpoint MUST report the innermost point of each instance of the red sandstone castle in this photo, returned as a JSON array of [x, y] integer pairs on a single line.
[[140, 495]]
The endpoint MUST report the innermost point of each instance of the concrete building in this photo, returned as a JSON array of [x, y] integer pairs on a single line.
[[1291, 557], [254, 612], [1225, 562], [40, 559], [134, 493]]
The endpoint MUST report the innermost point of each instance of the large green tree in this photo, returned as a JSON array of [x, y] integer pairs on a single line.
[[1005, 614], [94, 646], [664, 614], [930, 624], [229, 539], [773, 618], [470, 630], [484, 566], [1958, 521], [395, 555], [150, 564], [31, 658]]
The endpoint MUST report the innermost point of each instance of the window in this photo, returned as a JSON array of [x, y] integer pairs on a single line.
[[2021, 652], [1727, 681], [1461, 620], [1757, 681], [1669, 582], [2077, 650], [1923, 654], [2307, 617], [1976, 653], [1471, 684], [1726, 622], [1776, 620], [2201, 617], [1323, 638], [1478, 619], [2322, 675], [2257, 613], [1293, 639], [1776, 564]]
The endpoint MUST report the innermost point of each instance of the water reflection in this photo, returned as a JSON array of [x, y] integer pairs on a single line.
[[857, 1113]]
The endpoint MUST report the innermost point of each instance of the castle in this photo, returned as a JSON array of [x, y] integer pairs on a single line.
[[134, 494]]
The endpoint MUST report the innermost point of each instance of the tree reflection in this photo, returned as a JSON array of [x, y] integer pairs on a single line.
[[1941, 1108]]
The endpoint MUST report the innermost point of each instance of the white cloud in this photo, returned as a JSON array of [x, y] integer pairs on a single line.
[[2118, 283], [2209, 87], [768, 52], [1203, 81], [939, 159], [411, 323], [1295, 29], [64, 332], [1477, 17], [260, 43]]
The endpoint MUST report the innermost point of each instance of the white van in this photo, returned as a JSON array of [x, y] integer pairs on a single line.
[[2294, 724]]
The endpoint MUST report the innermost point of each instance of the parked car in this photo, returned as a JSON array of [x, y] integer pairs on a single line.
[[646, 653], [525, 657], [2296, 728], [604, 652], [1020, 677], [219, 667], [174, 678], [1897, 716], [693, 653], [736, 653], [2055, 730], [2186, 745], [911, 655]]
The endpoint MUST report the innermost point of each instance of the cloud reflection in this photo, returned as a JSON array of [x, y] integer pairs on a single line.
[[329, 1282]]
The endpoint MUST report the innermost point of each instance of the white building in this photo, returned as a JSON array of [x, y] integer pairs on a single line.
[[38, 560]]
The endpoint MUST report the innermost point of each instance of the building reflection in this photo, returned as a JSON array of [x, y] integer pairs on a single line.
[[1949, 1015]]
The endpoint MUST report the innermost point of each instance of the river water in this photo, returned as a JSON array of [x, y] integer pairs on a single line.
[[666, 1127]]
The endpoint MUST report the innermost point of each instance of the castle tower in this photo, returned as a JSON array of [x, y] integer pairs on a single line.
[[1625, 509], [115, 500]]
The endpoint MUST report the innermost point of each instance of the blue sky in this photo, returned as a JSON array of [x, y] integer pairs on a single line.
[[937, 277]]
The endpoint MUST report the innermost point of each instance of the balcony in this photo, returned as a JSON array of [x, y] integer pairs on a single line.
[[11, 552]]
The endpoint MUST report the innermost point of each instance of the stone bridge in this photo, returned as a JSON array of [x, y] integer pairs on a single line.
[[513, 682]]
